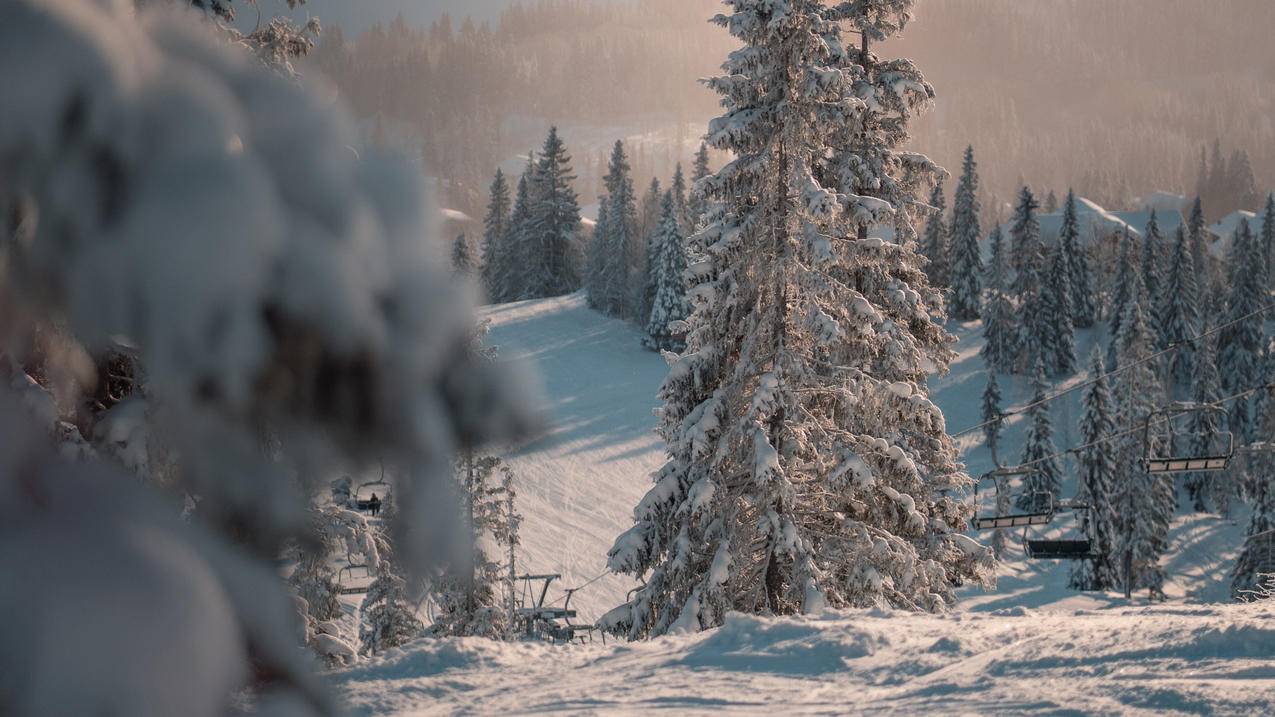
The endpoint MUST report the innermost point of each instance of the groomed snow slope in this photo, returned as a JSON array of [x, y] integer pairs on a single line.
[[1030, 645]]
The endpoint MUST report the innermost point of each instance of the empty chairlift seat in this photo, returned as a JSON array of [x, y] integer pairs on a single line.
[[1188, 438], [1059, 549]]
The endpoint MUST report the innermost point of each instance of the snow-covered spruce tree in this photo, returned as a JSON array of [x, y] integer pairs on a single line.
[[934, 242], [468, 593], [1051, 202], [617, 243], [1179, 316], [595, 258], [966, 278], [520, 247], [1084, 307], [806, 465], [1127, 283], [1098, 467], [1056, 315], [1199, 244], [553, 267], [1206, 388], [1240, 345], [389, 619], [1152, 268], [1143, 501], [496, 265], [642, 287], [1246, 575], [1000, 325], [1042, 484], [1027, 259], [993, 422], [670, 304], [243, 204]]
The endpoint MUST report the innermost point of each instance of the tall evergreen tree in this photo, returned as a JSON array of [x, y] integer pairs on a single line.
[[1240, 345], [1084, 310], [1267, 242], [1056, 315], [597, 258], [495, 271], [993, 421], [1179, 316], [554, 267], [1042, 484], [934, 243], [1124, 291], [520, 251], [642, 289], [807, 468], [670, 303], [1153, 274], [619, 242], [1027, 258], [967, 260], [1261, 495], [1000, 326], [1199, 246], [1202, 427], [1098, 467], [1144, 501]]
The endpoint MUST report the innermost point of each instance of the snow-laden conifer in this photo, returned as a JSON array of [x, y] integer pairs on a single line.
[[993, 420], [1098, 462], [670, 306], [966, 277], [553, 267], [1040, 490], [1179, 315], [1203, 426], [1125, 287], [697, 201], [1056, 315], [1260, 468], [1079, 276], [1000, 325], [934, 242], [807, 467], [521, 249], [1240, 344], [495, 258], [1143, 501], [1152, 267], [1026, 256], [617, 243]]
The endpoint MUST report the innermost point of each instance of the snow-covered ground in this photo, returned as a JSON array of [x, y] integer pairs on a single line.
[[1030, 645]]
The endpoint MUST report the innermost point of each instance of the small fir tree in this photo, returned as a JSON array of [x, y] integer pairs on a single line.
[[496, 266], [934, 243], [967, 260], [1083, 305], [1042, 484], [1000, 337], [1098, 467], [670, 306]]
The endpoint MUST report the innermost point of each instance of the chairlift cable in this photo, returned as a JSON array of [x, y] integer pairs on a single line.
[[1141, 426], [1089, 382]]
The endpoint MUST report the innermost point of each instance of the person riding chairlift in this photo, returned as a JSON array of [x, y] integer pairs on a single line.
[[374, 505]]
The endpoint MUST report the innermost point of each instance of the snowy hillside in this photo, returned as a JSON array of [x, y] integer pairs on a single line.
[[579, 483]]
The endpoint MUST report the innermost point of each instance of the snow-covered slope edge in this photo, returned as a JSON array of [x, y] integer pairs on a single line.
[[1159, 660]]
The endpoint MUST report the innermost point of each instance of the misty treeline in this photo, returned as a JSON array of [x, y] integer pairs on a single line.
[[473, 94], [1111, 99], [1114, 99]]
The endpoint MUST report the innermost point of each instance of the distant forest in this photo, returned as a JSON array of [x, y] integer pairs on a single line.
[[1114, 99]]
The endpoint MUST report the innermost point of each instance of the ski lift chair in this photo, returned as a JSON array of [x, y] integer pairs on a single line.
[[352, 584], [1060, 549], [1164, 457], [991, 520], [363, 496]]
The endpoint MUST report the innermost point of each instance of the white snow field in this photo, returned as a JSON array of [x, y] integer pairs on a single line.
[[1029, 646]]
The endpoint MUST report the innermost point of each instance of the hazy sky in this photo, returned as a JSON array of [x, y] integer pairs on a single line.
[[354, 16]]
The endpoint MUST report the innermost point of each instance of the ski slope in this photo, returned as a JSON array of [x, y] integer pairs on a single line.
[[579, 481]]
